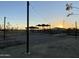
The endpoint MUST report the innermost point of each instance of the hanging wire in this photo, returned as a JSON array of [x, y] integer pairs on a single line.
[[37, 13], [75, 7]]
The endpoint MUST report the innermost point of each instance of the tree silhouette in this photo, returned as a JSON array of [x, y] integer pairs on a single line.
[[33, 28], [39, 25], [47, 25], [43, 25]]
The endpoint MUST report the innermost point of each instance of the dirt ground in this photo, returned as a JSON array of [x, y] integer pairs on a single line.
[[42, 46]]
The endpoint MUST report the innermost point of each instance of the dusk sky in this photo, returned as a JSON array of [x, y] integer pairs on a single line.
[[52, 12], [15, 12]]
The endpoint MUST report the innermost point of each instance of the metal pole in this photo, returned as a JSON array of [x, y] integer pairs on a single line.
[[4, 26], [27, 42]]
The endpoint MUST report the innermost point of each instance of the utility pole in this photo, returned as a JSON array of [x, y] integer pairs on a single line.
[[27, 42], [75, 29], [4, 26], [69, 8]]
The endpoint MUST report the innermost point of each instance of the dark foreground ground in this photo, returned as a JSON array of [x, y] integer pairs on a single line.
[[41, 45]]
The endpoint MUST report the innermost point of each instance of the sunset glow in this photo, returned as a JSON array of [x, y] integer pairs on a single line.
[[52, 13], [60, 26]]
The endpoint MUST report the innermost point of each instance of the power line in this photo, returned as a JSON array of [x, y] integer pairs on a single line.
[[35, 11]]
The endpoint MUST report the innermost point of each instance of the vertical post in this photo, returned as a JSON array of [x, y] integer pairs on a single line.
[[4, 26], [63, 22], [27, 46], [75, 29]]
